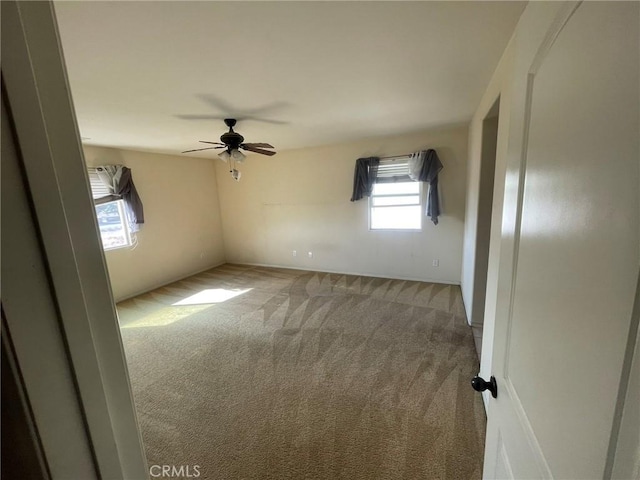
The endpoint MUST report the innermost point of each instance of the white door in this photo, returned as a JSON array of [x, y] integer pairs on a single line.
[[559, 346]]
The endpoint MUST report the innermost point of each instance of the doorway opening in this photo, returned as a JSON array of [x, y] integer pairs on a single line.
[[485, 207]]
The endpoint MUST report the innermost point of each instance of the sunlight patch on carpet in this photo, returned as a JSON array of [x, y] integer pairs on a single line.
[[212, 295], [164, 317]]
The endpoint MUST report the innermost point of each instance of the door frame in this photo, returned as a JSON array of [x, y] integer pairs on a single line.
[[486, 183], [53, 168]]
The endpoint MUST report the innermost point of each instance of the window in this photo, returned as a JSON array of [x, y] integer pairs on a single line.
[[112, 222], [396, 206], [112, 218]]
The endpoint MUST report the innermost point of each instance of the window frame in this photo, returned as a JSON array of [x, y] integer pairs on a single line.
[[124, 222], [102, 196], [419, 204]]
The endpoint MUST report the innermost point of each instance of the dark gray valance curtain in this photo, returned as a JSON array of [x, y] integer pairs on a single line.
[[430, 166], [127, 190], [364, 177]]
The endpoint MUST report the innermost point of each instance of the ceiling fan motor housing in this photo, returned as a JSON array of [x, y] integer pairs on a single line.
[[231, 139]]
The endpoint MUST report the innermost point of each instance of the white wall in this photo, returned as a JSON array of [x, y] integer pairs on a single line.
[[299, 200], [182, 231]]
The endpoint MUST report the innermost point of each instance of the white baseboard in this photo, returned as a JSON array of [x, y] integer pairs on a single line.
[[411, 279], [362, 274], [467, 313], [165, 283]]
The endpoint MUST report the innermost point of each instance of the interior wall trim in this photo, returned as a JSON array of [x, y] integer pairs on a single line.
[[408, 279]]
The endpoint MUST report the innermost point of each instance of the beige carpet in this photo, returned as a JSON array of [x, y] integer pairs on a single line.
[[263, 373]]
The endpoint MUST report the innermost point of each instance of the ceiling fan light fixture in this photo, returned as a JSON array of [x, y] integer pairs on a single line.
[[237, 155], [224, 156]]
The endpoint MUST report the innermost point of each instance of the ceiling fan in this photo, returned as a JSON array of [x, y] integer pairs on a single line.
[[232, 142]]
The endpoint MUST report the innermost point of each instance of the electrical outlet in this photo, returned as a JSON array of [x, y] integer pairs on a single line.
[[310, 254], [294, 253], [436, 263]]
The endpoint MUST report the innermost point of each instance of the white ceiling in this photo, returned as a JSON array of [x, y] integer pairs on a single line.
[[328, 72]]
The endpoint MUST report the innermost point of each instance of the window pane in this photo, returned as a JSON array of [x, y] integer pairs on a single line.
[[112, 225], [403, 200], [395, 188], [405, 218]]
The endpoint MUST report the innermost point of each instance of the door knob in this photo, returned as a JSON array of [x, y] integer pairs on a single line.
[[479, 384]]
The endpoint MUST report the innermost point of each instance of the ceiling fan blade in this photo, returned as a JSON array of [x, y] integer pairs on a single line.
[[215, 102], [213, 143], [269, 108], [256, 150], [258, 145], [200, 149], [238, 117], [263, 120], [222, 106], [199, 117]]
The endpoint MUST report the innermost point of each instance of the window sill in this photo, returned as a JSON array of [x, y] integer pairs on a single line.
[[406, 230]]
